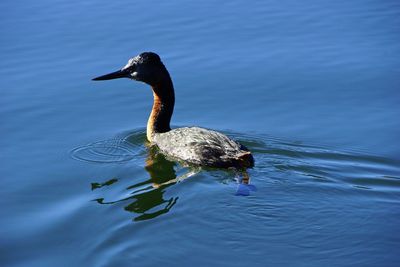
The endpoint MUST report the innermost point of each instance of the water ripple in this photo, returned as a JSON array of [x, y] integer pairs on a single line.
[[296, 162], [116, 150]]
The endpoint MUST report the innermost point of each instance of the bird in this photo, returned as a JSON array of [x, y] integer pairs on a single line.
[[192, 145]]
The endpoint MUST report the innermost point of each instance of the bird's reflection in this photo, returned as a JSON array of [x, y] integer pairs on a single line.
[[147, 198]]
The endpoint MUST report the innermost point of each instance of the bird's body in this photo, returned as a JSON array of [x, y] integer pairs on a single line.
[[193, 145], [203, 147]]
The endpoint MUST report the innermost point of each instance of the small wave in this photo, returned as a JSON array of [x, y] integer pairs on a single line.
[[116, 150], [298, 162]]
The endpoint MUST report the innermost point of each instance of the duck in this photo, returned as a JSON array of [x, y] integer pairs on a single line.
[[192, 145]]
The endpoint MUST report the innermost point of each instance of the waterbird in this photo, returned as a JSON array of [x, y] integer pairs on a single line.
[[193, 145]]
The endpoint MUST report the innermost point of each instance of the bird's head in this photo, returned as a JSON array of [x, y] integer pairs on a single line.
[[145, 67]]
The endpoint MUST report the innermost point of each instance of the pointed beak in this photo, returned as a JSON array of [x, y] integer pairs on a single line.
[[113, 75]]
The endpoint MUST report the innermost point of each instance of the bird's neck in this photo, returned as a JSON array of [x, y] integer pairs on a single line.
[[163, 107]]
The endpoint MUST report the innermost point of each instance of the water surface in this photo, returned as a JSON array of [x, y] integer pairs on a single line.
[[311, 88]]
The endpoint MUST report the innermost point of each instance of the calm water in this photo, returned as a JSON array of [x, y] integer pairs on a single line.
[[312, 88]]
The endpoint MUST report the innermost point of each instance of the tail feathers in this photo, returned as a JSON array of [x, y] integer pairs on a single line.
[[245, 159]]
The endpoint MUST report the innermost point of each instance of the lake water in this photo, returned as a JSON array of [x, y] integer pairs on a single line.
[[311, 87]]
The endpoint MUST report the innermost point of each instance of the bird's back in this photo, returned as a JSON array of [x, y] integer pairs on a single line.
[[203, 147]]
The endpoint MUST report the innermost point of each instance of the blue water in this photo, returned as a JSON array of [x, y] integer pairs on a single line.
[[311, 87]]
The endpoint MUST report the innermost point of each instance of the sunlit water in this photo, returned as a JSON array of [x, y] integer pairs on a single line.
[[311, 88]]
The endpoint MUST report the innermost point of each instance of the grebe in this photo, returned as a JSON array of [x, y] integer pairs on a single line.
[[193, 145]]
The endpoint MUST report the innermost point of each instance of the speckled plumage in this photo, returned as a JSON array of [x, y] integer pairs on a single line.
[[203, 147]]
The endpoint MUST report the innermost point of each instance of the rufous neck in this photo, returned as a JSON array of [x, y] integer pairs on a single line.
[[163, 107]]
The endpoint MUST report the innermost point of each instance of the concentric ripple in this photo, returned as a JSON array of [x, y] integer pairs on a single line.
[[116, 150]]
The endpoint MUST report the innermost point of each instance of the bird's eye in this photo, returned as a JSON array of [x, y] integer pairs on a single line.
[[129, 68]]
